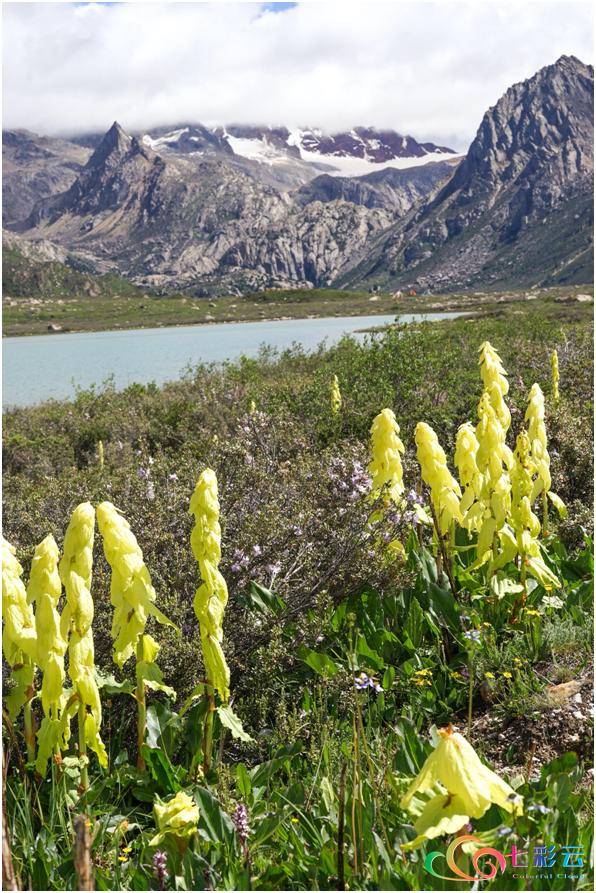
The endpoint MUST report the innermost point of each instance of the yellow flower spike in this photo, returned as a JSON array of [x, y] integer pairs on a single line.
[[554, 365], [19, 635], [461, 788], [539, 453], [100, 453], [538, 444], [212, 596], [75, 570], [44, 589], [19, 641], [385, 466], [526, 525], [494, 379], [444, 489], [131, 591], [335, 395], [494, 460], [470, 479], [178, 819]]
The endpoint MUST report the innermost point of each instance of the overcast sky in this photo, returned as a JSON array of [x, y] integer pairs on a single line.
[[426, 69]]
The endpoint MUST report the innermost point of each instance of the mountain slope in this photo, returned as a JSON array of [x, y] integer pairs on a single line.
[[205, 222], [34, 167], [518, 209], [394, 190]]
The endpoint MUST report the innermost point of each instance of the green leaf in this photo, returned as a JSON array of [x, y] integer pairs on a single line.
[[152, 677], [414, 623], [110, 685], [265, 829], [228, 718], [372, 659], [163, 726], [264, 600], [320, 663], [243, 781], [161, 769], [214, 824]]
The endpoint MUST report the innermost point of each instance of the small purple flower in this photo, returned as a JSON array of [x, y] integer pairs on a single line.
[[474, 635], [538, 807], [273, 569], [236, 568], [160, 861], [143, 473], [173, 476], [361, 681], [256, 549], [150, 491], [240, 819], [364, 681], [504, 831], [296, 530]]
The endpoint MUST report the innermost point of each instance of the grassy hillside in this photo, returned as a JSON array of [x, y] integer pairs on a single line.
[[325, 583], [23, 277]]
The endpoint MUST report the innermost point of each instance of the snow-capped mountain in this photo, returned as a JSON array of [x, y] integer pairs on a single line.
[[353, 153], [208, 209]]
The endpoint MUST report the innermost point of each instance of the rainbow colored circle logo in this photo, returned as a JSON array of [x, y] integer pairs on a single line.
[[496, 861]]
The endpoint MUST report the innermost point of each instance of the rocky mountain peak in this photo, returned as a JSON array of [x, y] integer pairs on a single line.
[[115, 143]]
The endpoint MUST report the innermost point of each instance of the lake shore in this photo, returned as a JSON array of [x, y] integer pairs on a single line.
[[24, 317]]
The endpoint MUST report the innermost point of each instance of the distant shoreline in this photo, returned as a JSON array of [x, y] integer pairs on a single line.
[[102, 316]]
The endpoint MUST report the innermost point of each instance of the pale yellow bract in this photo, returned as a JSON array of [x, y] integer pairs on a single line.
[[19, 636], [385, 466], [44, 590], [75, 572], [470, 479], [461, 787], [444, 490], [212, 596], [131, 591], [335, 395], [177, 818], [554, 364]]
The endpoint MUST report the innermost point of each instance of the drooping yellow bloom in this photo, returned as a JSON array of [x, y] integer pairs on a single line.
[[494, 379], [131, 591], [522, 537], [470, 479], [554, 364], [212, 596], [176, 819], [494, 459], [444, 489], [385, 466], [19, 636], [75, 570], [525, 522], [461, 788], [538, 443], [335, 395], [44, 590], [539, 452]]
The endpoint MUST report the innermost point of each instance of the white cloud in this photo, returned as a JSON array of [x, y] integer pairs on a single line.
[[427, 69]]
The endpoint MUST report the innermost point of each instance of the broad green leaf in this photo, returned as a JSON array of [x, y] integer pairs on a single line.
[[228, 718], [214, 824], [320, 663]]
